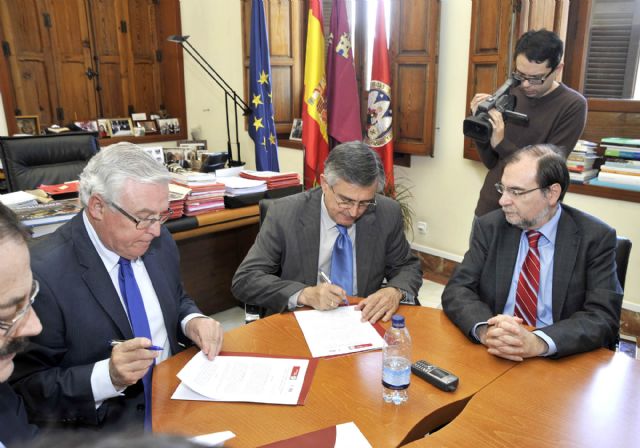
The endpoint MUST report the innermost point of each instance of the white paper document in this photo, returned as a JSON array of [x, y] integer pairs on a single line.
[[348, 435], [213, 439], [336, 332], [242, 378]]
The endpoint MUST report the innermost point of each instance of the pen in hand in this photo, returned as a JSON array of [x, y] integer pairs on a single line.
[[115, 342], [325, 279]]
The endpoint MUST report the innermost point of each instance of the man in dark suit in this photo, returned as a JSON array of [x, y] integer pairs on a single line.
[[98, 274], [537, 263], [18, 321], [296, 244]]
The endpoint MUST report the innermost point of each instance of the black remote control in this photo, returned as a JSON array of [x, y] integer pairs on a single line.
[[440, 378]]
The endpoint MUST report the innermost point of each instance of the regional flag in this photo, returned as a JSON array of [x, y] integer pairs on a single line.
[[379, 117], [342, 88], [314, 103], [262, 126]]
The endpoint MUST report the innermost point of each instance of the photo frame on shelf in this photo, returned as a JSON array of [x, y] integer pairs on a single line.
[[104, 131], [87, 125], [28, 124], [296, 130], [168, 125], [149, 126], [181, 156], [120, 127], [195, 150]]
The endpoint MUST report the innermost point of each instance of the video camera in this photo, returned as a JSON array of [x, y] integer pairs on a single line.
[[478, 127]]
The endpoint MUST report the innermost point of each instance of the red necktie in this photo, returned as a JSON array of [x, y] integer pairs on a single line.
[[529, 282]]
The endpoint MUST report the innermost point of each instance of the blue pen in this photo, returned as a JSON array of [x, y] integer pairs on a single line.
[[325, 279], [115, 342]]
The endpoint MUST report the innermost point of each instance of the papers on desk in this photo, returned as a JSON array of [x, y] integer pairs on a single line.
[[346, 435], [336, 332], [249, 378], [213, 439], [238, 186]]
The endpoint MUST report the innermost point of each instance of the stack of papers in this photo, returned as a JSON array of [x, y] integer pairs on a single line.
[[18, 199], [206, 193], [238, 186], [274, 179]]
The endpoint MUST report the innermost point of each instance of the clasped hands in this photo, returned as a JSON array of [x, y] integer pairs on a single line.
[[130, 360], [506, 337], [379, 305]]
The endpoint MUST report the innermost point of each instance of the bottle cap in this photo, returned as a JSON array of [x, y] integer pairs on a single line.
[[397, 321]]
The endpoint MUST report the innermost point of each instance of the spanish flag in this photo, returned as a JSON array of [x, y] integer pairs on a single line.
[[314, 104]]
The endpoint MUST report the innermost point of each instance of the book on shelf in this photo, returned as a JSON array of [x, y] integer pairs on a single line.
[[602, 183], [585, 146], [631, 154], [56, 190], [619, 178], [620, 141], [620, 170], [622, 163], [583, 176], [56, 211]]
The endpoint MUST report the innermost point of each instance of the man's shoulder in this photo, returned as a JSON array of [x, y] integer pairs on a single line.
[[585, 221], [295, 202], [52, 245]]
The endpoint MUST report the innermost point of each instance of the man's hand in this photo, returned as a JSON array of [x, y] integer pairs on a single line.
[[207, 334], [129, 361], [476, 100], [497, 123], [507, 338], [381, 304], [322, 297]]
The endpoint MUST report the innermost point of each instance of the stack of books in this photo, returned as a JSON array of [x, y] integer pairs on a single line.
[[206, 193], [580, 162], [273, 179], [177, 197], [45, 218], [622, 164]]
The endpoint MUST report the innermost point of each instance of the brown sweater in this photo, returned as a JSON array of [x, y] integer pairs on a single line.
[[558, 118]]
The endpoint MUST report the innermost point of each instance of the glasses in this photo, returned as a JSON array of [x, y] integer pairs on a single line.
[[347, 204], [145, 223], [514, 192], [10, 325], [533, 80]]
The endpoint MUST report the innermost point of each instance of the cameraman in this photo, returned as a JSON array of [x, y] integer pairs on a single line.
[[557, 114]]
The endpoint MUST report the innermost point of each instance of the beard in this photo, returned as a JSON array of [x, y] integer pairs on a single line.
[[15, 345], [531, 223]]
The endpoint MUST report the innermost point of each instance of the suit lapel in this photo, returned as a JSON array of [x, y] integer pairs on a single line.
[[310, 238], [366, 232], [97, 279], [564, 260], [507, 254]]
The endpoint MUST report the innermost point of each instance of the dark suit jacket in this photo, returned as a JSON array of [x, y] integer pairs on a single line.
[[284, 257], [81, 312], [14, 426], [587, 297]]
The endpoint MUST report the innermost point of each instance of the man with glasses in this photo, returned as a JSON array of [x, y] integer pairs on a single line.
[[317, 247], [17, 323], [539, 278], [111, 300], [557, 114]]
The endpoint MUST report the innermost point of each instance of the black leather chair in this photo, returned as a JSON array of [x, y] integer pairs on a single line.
[[623, 249], [45, 159]]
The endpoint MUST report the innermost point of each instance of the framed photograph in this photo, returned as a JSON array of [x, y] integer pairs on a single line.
[[28, 124], [181, 156], [296, 129], [169, 125], [88, 125], [103, 128], [120, 126], [149, 126]]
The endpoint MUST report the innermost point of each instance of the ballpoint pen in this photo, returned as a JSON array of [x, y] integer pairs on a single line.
[[115, 342], [325, 279]]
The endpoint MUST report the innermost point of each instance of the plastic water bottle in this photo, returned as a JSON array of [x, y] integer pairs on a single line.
[[396, 362]]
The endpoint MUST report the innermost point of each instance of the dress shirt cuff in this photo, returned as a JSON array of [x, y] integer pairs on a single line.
[[293, 301], [552, 345], [474, 331], [188, 318], [101, 384]]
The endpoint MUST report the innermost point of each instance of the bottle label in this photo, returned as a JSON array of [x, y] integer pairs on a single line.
[[396, 374]]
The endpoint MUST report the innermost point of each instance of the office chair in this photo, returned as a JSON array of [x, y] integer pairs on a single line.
[[45, 159], [623, 250]]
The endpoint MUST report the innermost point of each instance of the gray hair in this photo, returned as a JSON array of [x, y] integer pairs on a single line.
[[107, 171], [355, 163]]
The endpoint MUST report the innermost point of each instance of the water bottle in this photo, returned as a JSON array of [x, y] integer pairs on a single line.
[[396, 362]]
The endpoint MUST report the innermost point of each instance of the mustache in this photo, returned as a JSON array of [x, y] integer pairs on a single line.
[[14, 345]]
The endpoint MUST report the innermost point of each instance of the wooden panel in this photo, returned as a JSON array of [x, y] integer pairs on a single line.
[[281, 94], [279, 13], [413, 54], [541, 14]]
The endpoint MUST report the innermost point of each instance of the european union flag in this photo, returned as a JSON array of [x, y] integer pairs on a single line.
[[262, 126]]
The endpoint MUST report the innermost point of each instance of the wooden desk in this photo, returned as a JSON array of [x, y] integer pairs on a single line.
[[586, 400], [344, 389], [211, 253]]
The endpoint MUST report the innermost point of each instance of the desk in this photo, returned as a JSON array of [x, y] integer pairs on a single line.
[[586, 400], [335, 396]]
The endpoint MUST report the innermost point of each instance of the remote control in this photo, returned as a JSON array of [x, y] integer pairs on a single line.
[[440, 378]]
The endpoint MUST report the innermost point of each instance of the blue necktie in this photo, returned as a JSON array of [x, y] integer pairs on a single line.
[[139, 323], [342, 261]]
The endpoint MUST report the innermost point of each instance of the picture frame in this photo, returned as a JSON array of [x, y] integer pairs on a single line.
[[150, 126], [195, 150], [28, 124], [120, 127], [296, 130], [104, 131], [180, 156], [87, 125], [168, 125]]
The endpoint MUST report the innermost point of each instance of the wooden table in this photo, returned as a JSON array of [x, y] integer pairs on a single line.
[[344, 389], [586, 400]]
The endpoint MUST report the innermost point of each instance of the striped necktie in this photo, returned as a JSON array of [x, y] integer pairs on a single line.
[[529, 282]]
